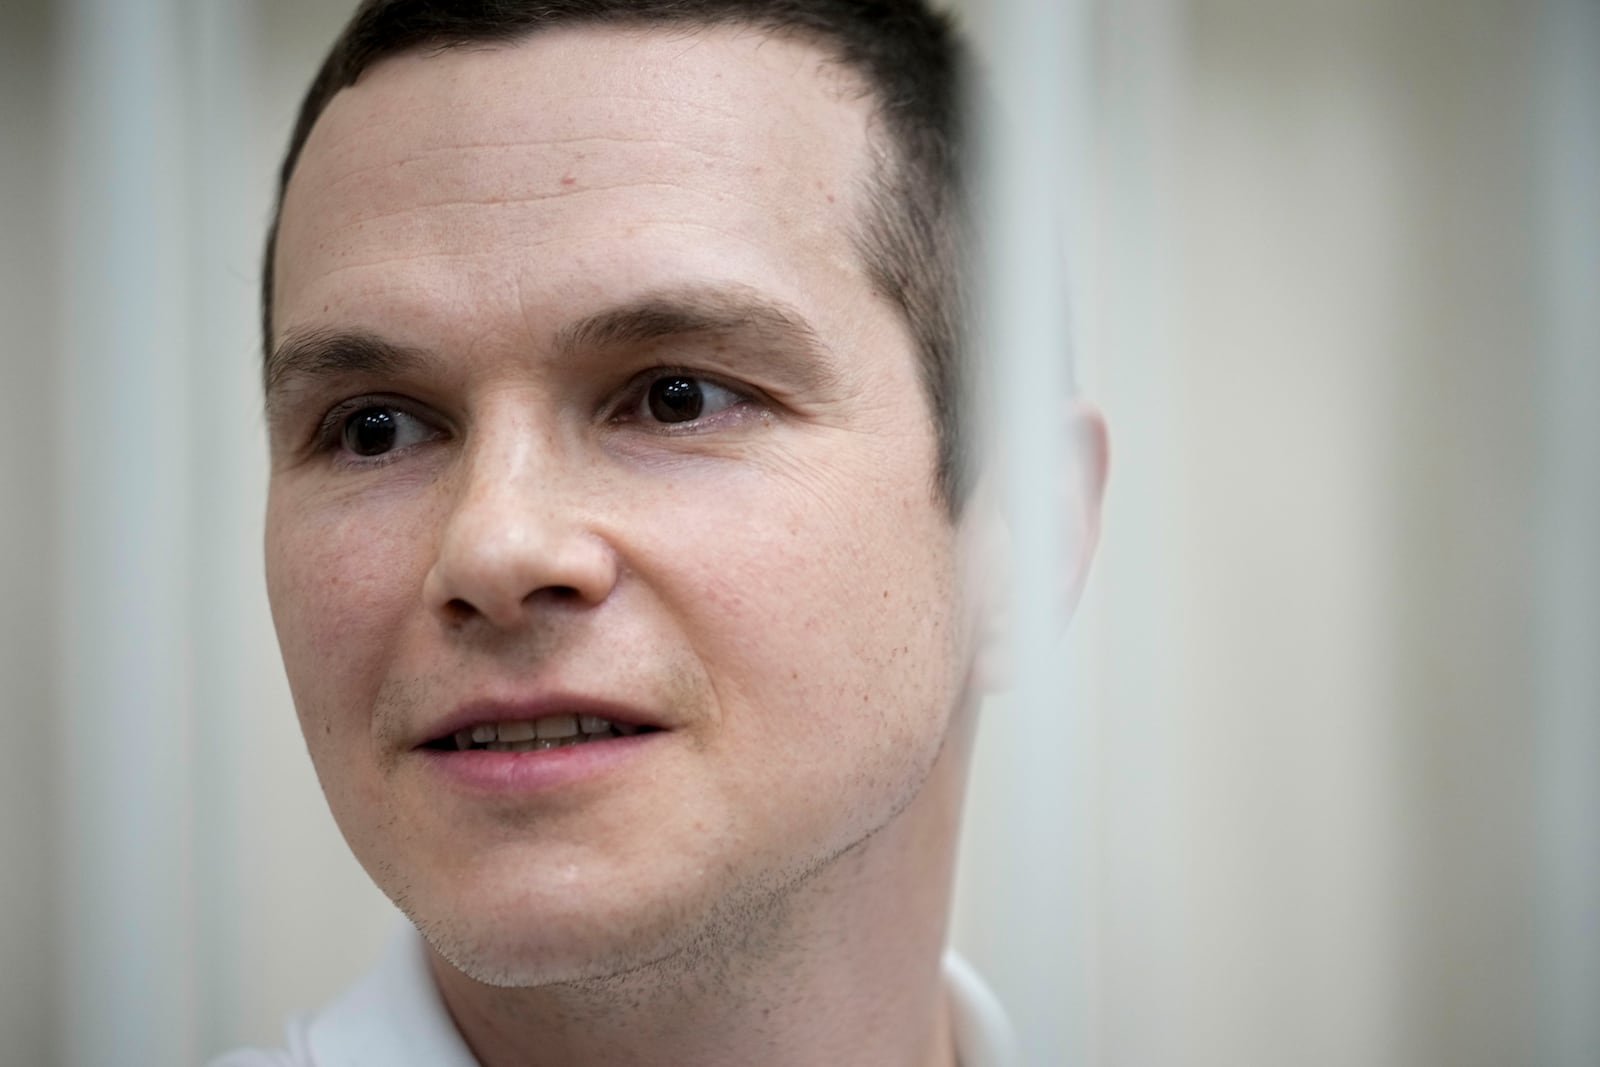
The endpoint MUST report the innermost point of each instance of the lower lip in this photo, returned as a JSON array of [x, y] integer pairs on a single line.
[[540, 771]]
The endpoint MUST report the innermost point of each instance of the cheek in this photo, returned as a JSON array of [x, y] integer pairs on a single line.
[[341, 582], [827, 609], [827, 636]]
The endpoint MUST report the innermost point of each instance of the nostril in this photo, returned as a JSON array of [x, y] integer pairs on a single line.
[[554, 594], [495, 572]]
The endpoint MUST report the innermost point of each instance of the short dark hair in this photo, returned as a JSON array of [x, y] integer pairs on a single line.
[[914, 241]]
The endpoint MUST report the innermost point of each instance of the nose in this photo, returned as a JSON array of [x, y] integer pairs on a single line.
[[518, 535]]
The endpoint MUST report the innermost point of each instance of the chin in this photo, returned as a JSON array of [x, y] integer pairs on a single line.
[[511, 932], [527, 959]]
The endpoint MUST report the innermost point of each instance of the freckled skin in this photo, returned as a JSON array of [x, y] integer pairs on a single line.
[[783, 590]]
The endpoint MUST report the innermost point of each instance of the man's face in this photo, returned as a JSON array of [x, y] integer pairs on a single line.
[[587, 406]]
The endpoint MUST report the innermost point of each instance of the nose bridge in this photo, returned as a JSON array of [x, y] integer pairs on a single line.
[[517, 530], [512, 459]]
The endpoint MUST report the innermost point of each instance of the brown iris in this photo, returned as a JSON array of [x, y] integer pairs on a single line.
[[676, 399], [371, 432]]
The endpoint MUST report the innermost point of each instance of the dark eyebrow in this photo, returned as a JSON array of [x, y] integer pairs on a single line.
[[662, 316], [325, 353]]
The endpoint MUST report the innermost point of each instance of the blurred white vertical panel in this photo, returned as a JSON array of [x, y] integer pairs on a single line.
[[126, 988], [1022, 911], [1569, 538], [1293, 189], [1130, 634], [227, 465]]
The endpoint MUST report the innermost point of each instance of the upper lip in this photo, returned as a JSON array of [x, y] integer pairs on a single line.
[[478, 712]]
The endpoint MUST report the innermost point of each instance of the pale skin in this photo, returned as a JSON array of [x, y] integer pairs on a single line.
[[505, 251]]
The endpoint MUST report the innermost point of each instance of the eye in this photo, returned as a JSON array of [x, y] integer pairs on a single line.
[[673, 399], [380, 429]]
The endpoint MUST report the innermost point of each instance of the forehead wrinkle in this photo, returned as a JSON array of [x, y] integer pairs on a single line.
[[451, 152], [492, 78], [447, 118], [507, 202]]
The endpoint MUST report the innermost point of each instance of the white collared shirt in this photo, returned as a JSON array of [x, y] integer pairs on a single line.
[[395, 1017]]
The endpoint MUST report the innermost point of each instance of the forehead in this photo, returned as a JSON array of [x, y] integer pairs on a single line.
[[575, 161]]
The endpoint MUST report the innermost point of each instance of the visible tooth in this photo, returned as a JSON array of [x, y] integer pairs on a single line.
[[626, 729], [463, 739], [516, 731], [522, 746], [544, 743], [557, 726], [593, 724], [484, 733], [499, 746]]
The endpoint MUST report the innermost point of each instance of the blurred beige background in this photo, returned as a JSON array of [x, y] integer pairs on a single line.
[[1334, 687]]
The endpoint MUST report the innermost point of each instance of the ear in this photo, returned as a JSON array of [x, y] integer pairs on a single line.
[[1078, 479], [1087, 465]]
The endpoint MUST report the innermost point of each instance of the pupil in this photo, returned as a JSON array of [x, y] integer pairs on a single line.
[[676, 399], [370, 432]]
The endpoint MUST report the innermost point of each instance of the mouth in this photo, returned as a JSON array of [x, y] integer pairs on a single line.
[[561, 730]]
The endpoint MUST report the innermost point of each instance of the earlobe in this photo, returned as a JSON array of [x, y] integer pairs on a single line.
[[1079, 484], [1083, 486]]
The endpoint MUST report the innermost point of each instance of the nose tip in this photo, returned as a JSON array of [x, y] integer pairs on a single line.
[[499, 560]]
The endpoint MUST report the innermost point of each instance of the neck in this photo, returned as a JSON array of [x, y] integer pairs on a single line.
[[845, 970]]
